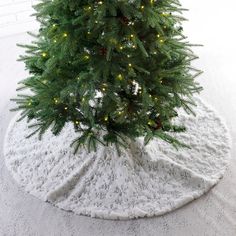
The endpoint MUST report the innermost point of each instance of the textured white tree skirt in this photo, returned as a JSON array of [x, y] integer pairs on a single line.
[[145, 181]]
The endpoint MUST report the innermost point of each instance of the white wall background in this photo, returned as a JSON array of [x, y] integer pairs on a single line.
[[15, 16]]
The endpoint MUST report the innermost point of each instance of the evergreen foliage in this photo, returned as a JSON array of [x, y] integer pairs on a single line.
[[116, 66]]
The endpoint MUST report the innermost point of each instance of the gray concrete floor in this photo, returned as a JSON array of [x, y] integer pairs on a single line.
[[213, 214]]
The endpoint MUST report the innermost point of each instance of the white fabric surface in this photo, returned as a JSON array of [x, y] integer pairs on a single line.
[[211, 23], [144, 181]]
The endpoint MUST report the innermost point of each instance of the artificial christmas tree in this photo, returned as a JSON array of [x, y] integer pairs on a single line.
[[118, 66]]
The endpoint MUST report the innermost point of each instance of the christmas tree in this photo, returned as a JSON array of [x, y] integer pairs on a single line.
[[117, 69]]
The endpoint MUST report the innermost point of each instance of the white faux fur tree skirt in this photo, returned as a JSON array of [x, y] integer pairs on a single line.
[[145, 181]]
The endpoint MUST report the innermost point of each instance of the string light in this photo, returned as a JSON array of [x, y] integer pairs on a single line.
[[100, 3], [86, 57], [104, 87], [56, 101], [88, 8], [77, 122], [142, 7], [65, 35], [130, 65], [120, 77], [44, 54], [165, 14], [106, 118], [152, 123], [66, 108]]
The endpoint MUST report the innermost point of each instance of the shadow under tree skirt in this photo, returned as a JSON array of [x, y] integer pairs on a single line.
[[144, 181]]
